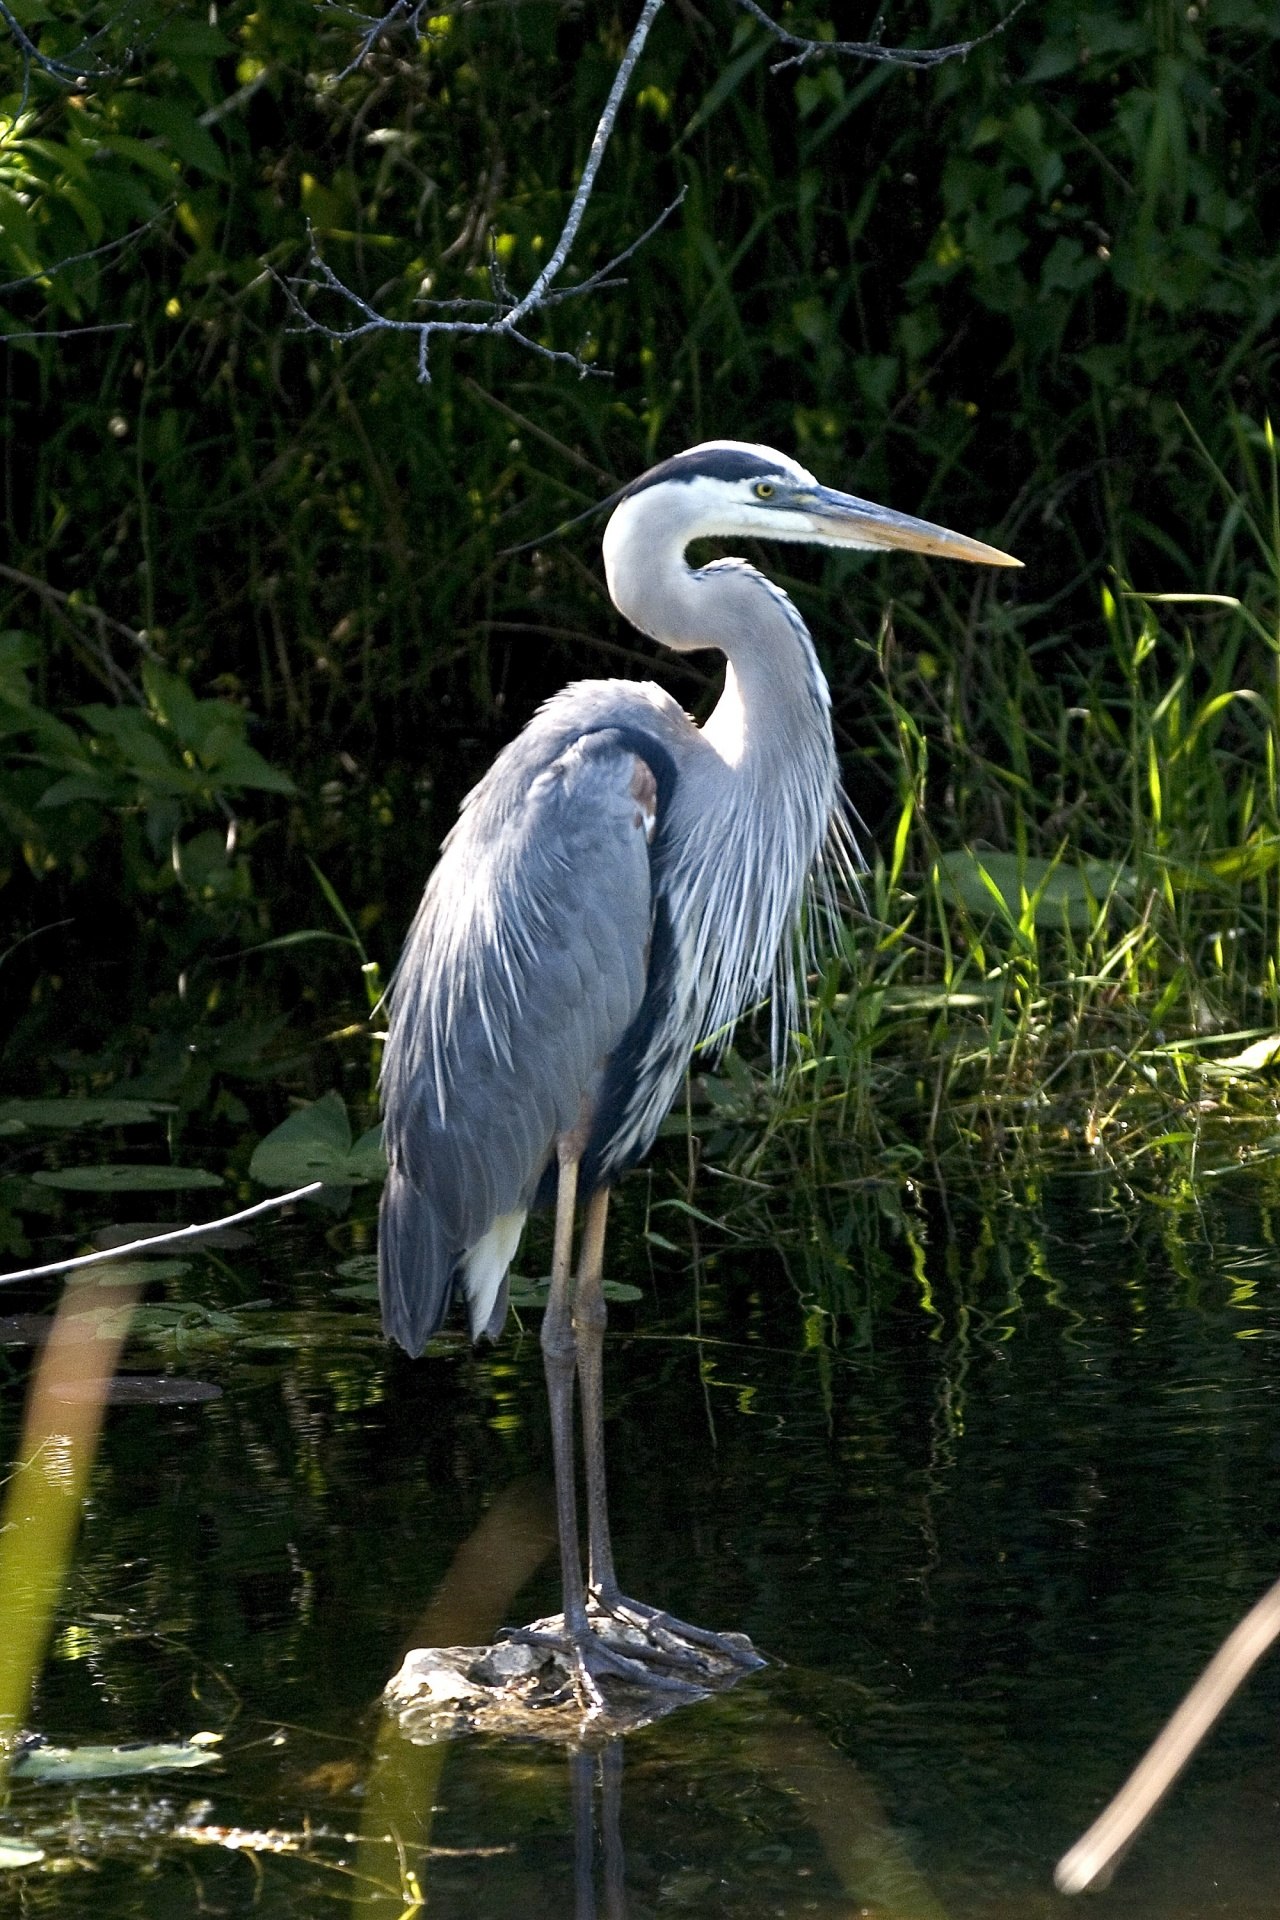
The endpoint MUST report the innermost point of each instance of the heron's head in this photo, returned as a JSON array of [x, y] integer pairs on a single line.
[[728, 488]]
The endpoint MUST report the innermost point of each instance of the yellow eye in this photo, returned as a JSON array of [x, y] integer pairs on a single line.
[[763, 490]]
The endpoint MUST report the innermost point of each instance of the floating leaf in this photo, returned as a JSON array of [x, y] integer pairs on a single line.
[[1263, 1056], [139, 1390], [315, 1144], [16, 1115], [57, 1765], [360, 1266], [533, 1293], [127, 1179], [359, 1290], [128, 1273], [16, 1853]]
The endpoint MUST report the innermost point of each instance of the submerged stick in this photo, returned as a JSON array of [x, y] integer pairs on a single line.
[[1164, 1760], [167, 1239]]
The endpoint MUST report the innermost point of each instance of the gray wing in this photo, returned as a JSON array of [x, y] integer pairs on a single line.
[[524, 968]]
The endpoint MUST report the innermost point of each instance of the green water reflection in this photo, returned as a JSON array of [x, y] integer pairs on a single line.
[[988, 1545]]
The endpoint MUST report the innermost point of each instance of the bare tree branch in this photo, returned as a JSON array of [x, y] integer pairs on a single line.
[[918, 57], [69, 609], [77, 259], [71, 72], [506, 316], [66, 333], [503, 315], [406, 13]]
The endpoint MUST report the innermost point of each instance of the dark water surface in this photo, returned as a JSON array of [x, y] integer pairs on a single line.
[[987, 1542]]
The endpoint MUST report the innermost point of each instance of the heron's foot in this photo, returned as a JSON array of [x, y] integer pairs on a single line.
[[672, 1643], [596, 1652]]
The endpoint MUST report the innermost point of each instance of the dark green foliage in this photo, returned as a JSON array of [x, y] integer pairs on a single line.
[[1032, 293]]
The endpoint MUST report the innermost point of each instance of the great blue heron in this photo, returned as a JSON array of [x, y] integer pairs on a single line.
[[620, 887]]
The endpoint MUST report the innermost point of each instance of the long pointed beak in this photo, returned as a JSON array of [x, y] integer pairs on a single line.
[[842, 520]]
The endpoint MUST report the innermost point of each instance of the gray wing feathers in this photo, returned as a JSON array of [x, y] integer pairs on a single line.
[[524, 968]]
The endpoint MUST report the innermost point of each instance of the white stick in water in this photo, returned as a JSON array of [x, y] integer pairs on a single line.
[[160, 1239], [1164, 1760]]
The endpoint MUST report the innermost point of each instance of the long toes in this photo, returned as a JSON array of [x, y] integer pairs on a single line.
[[677, 1639], [592, 1656], [609, 1656]]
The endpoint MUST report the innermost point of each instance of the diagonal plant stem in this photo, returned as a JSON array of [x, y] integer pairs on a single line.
[[161, 1239]]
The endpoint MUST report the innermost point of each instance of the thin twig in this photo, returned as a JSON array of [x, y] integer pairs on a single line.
[[160, 1239], [506, 317], [916, 57], [68, 73], [63, 606], [66, 333], [76, 259], [503, 315], [1087, 1863], [599, 142]]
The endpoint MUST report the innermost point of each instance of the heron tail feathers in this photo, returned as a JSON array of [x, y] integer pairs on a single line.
[[416, 1266], [421, 1268]]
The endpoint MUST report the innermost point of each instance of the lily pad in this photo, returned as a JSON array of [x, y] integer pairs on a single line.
[[128, 1273], [17, 1115], [140, 1390], [359, 1266], [38, 1760], [122, 1178], [533, 1293], [360, 1271], [17, 1853], [315, 1143]]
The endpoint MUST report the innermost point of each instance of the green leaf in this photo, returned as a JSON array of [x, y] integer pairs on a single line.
[[59, 1765], [19, 653], [177, 707], [127, 1179], [533, 1293], [146, 158], [101, 788], [234, 764], [1063, 894], [182, 133], [360, 1266], [315, 1144], [134, 1273], [367, 1156], [82, 1113], [16, 1853]]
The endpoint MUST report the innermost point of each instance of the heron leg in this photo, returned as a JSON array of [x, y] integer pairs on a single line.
[[590, 1656], [672, 1643], [559, 1360], [590, 1313]]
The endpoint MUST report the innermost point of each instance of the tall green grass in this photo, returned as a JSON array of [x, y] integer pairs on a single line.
[[1068, 951]]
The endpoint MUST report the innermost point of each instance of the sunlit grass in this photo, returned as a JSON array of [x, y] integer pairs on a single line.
[[1069, 948]]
